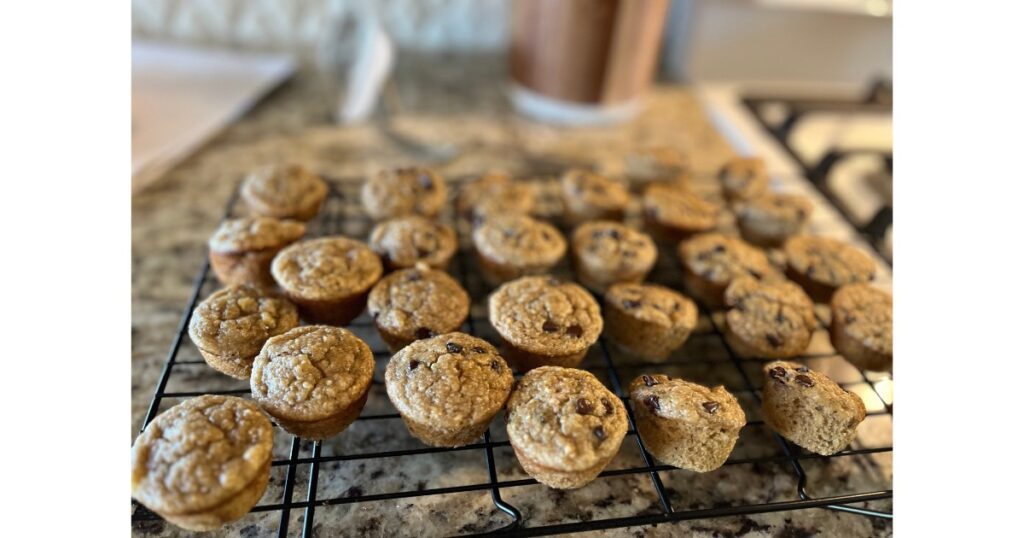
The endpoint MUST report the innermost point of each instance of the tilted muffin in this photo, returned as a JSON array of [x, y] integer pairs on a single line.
[[313, 380], [768, 220], [494, 194], [204, 462], [589, 196], [399, 192], [711, 261], [328, 278], [862, 326], [822, 264], [564, 426], [230, 327], [674, 212], [405, 241], [511, 246], [606, 252], [648, 321], [545, 321], [810, 409], [417, 303], [288, 191], [241, 249], [743, 178], [770, 320], [448, 388], [684, 424]]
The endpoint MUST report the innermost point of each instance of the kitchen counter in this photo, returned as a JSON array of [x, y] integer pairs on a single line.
[[455, 101]]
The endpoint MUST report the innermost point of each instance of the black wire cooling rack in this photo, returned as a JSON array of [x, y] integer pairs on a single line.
[[856, 480]]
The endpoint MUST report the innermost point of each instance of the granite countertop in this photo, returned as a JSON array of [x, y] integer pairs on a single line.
[[457, 101]]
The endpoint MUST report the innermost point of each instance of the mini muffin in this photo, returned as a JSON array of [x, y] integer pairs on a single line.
[[313, 379], [862, 326], [448, 388], [230, 327], [405, 241], [606, 252], [494, 194], [564, 426], [404, 191], [674, 212], [545, 321], [656, 164], [204, 462], [648, 321], [289, 191], [511, 246], [711, 261], [241, 249], [822, 264], [810, 409], [684, 424], [769, 320], [770, 219], [743, 178], [417, 303], [328, 278], [589, 196]]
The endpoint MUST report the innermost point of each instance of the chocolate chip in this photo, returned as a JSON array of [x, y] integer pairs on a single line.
[[426, 181], [495, 365], [850, 318], [710, 407], [652, 213], [803, 369], [774, 340], [549, 326], [779, 318], [649, 381], [804, 380], [423, 332], [756, 274], [575, 331], [809, 272], [413, 276], [719, 248], [653, 403], [628, 253], [453, 347], [584, 407], [630, 304], [801, 214], [614, 234], [739, 306], [414, 364], [778, 373], [545, 235], [608, 408], [422, 252], [599, 433], [479, 349]]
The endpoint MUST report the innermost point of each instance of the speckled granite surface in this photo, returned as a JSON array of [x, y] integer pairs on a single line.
[[459, 102]]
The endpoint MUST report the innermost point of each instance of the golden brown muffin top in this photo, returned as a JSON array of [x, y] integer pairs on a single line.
[[653, 304], [545, 315], [720, 258], [326, 268], [418, 303], [744, 178], [397, 192], [677, 207], [278, 191], [677, 399], [519, 240], [828, 261], [255, 233], [613, 246], [866, 314], [588, 189], [235, 321], [404, 241], [494, 194], [777, 313]]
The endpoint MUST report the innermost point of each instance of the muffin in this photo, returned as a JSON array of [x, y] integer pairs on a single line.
[[404, 191], [289, 191], [544, 321], [770, 219], [743, 178], [564, 426], [810, 409], [769, 320], [494, 194], [648, 321], [673, 212], [328, 278], [313, 379], [822, 264], [684, 424], [230, 327], [711, 261], [241, 249], [589, 196], [606, 252], [656, 164], [861, 328], [448, 388], [204, 462], [412, 304], [511, 246], [405, 241]]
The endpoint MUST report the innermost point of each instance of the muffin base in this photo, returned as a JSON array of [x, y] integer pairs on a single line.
[[818, 292], [496, 274], [820, 432], [671, 443], [598, 281], [303, 213], [753, 236], [235, 268], [711, 294], [641, 340], [670, 235], [572, 218], [319, 430], [235, 367], [231, 510], [556, 478], [338, 312], [396, 342], [855, 352], [442, 438], [524, 361], [748, 351]]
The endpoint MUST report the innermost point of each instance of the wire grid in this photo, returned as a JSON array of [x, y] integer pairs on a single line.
[[342, 214]]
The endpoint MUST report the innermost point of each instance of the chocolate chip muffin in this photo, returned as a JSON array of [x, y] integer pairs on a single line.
[[494, 194], [743, 178], [810, 409], [673, 212], [313, 379], [862, 326], [605, 252], [328, 278], [404, 191], [511, 246], [684, 424], [564, 426], [589, 196], [648, 321], [545, 321], [405, 241], [822, 264], [770, 320], [448, 388], [289, 191], [230, 326], [204, 462], [711, 261], [417, 303], [768, 220], [241, 249]]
